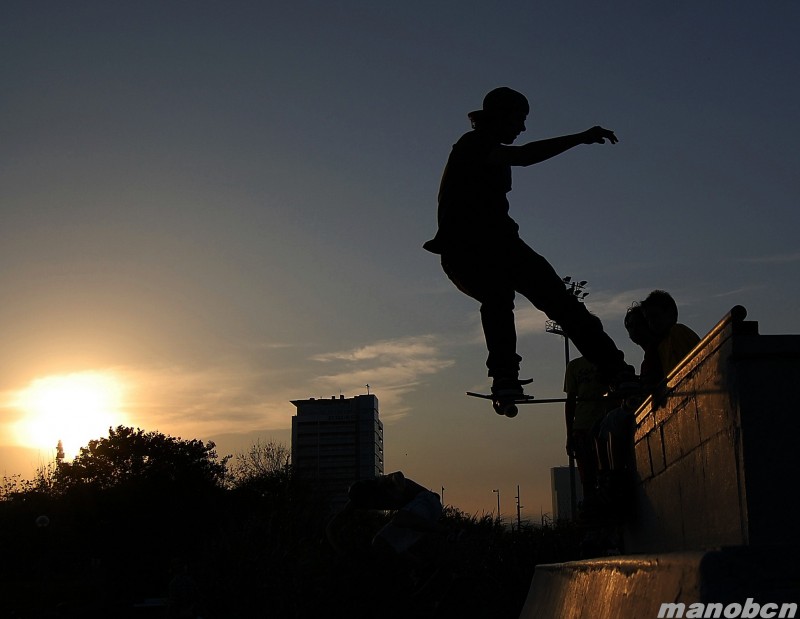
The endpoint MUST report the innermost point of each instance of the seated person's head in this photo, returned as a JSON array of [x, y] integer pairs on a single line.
[[661, 312], [637, 327]]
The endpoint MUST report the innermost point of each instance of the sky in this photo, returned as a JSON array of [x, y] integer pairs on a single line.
[[219, 207]]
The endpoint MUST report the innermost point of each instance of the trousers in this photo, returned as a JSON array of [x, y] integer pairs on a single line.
[[495, 275]]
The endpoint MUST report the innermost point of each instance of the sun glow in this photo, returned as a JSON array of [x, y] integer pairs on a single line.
[[71, 408]]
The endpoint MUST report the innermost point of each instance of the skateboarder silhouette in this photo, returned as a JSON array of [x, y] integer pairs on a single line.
[[481, 250]]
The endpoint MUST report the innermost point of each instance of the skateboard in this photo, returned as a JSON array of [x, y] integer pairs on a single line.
[[508, 405]]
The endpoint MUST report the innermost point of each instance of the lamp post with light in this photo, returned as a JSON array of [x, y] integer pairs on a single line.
[[576, 289]]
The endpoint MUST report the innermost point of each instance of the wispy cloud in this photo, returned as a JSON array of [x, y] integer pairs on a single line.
[[532, 322], [614, 305], [737, 292], [203, 401], [414, 347], [771, 259], [529, 320], [252, 392], [391, 367]]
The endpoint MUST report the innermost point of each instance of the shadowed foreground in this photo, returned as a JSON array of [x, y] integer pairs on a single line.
[[165, 544]]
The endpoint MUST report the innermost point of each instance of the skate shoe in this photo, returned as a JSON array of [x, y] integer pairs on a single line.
[[506, 392]]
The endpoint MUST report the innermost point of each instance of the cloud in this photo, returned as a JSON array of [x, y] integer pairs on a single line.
[[614, 305], [203, 401], [392, 368], [414, 347], [252, 390], [532, 322], [771, 259], [737, 292], [529, 320]]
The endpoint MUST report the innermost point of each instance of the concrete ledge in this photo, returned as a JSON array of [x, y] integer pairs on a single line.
[[714, 450], [613, 588], [634, 587]]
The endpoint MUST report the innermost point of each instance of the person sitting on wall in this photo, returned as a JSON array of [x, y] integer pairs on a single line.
[[613, 434], [640, 333], [619, 421], [653, 326], [675, 340]]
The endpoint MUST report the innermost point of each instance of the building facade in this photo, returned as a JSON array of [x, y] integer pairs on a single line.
[[336, 442], [561, 488]]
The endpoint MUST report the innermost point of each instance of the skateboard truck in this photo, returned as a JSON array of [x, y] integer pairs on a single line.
[[504, 404]]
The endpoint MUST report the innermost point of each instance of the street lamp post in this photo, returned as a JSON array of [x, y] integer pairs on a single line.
[[576, 289]]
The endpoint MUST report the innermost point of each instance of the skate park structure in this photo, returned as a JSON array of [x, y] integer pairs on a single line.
[[716, 469]]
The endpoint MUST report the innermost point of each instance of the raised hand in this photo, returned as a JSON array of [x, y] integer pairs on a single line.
[[598, 135]]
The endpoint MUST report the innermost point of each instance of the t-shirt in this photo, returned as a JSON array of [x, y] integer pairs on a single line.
[[473, 208], [678, 342], [581, 382]]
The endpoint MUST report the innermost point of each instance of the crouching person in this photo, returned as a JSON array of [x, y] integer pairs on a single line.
[[417, 512]]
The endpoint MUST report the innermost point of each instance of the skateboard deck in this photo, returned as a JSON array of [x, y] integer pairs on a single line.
[[529, 399], [508, 405], [504, 405], [526, 399]]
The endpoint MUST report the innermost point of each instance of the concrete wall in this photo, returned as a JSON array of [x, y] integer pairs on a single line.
[[635, 586], [716, 455], [715, 461]]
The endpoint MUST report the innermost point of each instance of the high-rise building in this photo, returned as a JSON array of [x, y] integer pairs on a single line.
[[560, 486], [336, 442]]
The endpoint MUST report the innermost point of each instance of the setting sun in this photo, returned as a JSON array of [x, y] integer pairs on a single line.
[[71, 408]]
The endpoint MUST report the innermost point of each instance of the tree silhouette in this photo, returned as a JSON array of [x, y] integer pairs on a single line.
[[134, 457], [141, 515], [264, 465]]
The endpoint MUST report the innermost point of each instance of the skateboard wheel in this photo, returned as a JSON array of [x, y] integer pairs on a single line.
[[509, 409]]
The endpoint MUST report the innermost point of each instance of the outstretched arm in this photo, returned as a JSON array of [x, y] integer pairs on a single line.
[[541, 150]]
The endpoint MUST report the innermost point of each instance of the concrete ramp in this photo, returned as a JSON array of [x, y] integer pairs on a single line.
[[717, 465], [636, 586], [716, 452], [611, 588]]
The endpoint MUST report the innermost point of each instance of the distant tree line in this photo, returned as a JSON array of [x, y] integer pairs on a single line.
[[139, 515]]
